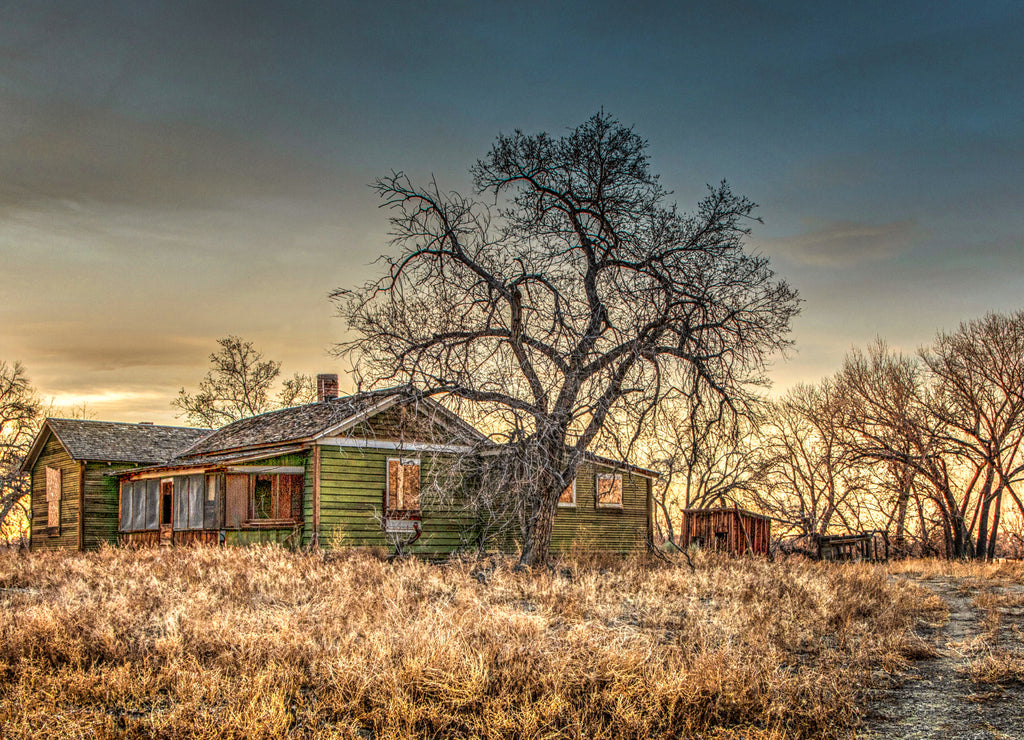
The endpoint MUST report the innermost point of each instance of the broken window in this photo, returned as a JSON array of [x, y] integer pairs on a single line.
[[272, 496], [402, 496], [568, 497], [210, 505], [609, 490]]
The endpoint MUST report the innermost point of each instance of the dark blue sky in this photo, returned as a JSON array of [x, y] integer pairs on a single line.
[[172, 173]]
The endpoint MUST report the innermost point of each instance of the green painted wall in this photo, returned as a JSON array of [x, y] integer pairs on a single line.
[[55, 456], [286, 537], [101, 504], [618, 530], [353, 481], [292, 460], [101, 500], [352, 488]]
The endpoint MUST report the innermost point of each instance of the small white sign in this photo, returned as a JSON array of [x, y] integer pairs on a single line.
[[400, 526]]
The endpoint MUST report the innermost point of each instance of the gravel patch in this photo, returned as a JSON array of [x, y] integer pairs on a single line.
[[935, 698]]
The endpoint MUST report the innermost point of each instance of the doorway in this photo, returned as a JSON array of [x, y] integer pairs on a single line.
[[166, 509]]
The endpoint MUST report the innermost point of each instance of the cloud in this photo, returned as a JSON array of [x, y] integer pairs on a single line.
[[846, 243], [74, 154]]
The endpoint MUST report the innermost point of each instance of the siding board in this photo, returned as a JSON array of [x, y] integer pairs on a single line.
[[54, 456]]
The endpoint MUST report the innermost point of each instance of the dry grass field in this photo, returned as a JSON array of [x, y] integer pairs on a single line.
[[260, 642]]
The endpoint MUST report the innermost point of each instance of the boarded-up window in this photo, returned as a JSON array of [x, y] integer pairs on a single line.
[[53, 494], [290, 505], [609, 490], [403, 491], [237, 500], [568, 497]]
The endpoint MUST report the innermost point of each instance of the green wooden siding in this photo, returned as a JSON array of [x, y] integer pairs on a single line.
[[55, 456], [293, 460], [352, 485], [617, 530], [286, 537], [101, 504], [101, 500], [353, 481]]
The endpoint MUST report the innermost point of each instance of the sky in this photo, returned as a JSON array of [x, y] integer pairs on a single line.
[[172, 173]]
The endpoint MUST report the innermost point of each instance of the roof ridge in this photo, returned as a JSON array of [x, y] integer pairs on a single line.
[[127, 423]]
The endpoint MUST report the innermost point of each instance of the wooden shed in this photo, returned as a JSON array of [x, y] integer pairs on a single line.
[[735, 531]]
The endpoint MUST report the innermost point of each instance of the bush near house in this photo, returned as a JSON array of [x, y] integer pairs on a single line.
[[262, 642]]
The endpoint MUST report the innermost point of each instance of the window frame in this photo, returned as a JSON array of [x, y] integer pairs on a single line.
[[597, 490], [394, 512], [275, 500], [54, 494], [275, 493], [568, 504]]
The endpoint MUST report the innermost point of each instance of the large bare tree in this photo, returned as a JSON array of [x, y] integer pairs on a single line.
[[578, 292]]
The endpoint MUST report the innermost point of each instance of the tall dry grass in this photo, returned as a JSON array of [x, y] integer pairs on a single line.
[[260, 642], [970, 571]]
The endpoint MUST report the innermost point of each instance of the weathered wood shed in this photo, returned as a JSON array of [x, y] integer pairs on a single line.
[[734, 530]]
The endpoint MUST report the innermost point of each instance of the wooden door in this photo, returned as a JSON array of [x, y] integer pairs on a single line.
[[236, 500]]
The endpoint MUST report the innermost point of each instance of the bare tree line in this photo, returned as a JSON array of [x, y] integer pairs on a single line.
[[924, 447]]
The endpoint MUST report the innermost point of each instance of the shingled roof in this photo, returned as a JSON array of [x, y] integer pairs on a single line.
[[112, 441], [285, 425], [304, 423]]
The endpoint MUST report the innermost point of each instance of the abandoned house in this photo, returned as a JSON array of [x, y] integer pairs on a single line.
[[735, 531], [364, 470]]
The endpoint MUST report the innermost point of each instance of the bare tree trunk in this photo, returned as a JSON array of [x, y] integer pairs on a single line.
[[906, 481], [536, 544], [991, 554], [986, 500]]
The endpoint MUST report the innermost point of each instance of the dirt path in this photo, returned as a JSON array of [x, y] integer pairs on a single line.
[[937, 698]]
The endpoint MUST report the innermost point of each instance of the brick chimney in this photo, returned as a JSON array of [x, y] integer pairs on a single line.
[[326, 387]]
